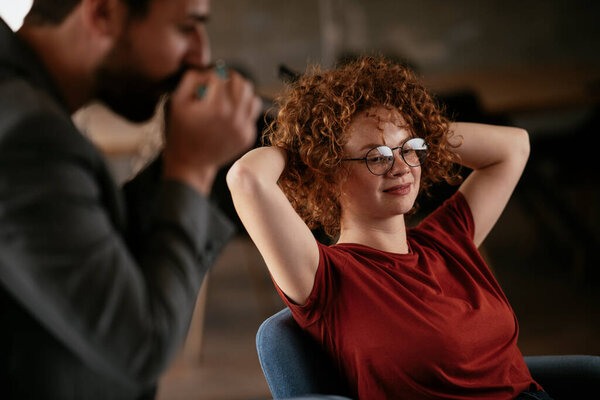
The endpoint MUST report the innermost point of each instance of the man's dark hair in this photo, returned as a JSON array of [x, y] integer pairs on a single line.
[[55, 11]]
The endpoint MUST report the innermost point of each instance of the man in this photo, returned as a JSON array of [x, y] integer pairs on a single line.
[[97, 287]]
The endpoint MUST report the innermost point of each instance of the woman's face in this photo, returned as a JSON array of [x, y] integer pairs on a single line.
[[369, 197]]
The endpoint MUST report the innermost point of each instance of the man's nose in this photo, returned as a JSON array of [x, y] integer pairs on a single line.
[[198, 53]]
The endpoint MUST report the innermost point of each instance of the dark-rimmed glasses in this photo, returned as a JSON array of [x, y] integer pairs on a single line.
[[380, 160]]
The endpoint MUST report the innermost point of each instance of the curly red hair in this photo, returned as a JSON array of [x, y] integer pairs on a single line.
[[311, 126]]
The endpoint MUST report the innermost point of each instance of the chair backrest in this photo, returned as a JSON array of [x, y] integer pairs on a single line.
[[292, 362], [566, 376]]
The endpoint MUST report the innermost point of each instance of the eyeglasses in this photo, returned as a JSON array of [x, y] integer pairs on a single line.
[[380, 160]]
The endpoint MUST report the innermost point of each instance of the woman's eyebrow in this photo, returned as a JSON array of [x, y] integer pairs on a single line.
[[370, 146]]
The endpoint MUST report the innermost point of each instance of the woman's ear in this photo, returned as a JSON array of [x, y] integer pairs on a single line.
[[104, 18]]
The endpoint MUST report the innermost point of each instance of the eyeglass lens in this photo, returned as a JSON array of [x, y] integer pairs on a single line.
[[381, 159]]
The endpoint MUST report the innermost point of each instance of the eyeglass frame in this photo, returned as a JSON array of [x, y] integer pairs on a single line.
[[392, 149]]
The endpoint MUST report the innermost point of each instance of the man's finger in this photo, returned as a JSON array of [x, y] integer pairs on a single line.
[[191, 81]]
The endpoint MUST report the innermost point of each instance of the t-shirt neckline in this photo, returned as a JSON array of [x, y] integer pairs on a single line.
[[370, 248]]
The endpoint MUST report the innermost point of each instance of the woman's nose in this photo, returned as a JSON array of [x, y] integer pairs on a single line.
[[399, 167]]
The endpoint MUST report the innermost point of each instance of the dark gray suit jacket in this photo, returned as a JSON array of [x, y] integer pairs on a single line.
[[97, 287]]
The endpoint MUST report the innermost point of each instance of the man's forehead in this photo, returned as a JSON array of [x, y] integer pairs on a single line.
[[202, 6], [184, 8]]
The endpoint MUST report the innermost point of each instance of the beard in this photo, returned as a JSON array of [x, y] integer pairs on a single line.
[[130, 94], [122, 86]]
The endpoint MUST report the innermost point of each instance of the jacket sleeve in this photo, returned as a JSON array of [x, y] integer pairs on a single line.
[[121, 306]]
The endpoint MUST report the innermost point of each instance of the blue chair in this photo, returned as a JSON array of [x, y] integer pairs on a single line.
[[294, 365]]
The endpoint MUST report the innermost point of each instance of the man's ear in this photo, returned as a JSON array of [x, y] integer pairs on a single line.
[[105, 18]]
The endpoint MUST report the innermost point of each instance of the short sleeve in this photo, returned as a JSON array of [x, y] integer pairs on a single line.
[[453, 217], [323, 291]]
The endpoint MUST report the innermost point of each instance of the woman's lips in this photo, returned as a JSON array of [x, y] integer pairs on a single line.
[[399, 189]]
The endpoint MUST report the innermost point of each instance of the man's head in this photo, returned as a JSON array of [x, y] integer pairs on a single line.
[[55, 11], [152, 43], [151, 55]]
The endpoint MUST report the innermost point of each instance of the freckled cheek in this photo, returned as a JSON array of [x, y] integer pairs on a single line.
[[359, 190], [417, 179]]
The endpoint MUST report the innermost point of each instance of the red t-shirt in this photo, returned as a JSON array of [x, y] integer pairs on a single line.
[[430, 324]]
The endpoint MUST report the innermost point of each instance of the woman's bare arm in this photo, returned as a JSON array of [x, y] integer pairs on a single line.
[[497, 156], [283, 239]]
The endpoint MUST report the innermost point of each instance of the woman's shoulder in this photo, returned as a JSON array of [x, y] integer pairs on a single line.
[[450, 221]]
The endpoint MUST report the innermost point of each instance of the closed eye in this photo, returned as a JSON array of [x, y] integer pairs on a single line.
[[187, 28]]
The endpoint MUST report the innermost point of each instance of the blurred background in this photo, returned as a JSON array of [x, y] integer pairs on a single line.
[[529, 63]]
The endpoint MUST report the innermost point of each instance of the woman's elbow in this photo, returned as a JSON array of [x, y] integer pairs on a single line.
[[240, 178], [257, 170], [525, 143], [520, 146]]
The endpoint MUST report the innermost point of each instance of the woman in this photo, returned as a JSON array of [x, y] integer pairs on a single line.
[[404, 313]]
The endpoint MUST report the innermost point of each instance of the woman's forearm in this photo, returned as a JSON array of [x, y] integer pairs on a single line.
[[482, 146], [497, 156]]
